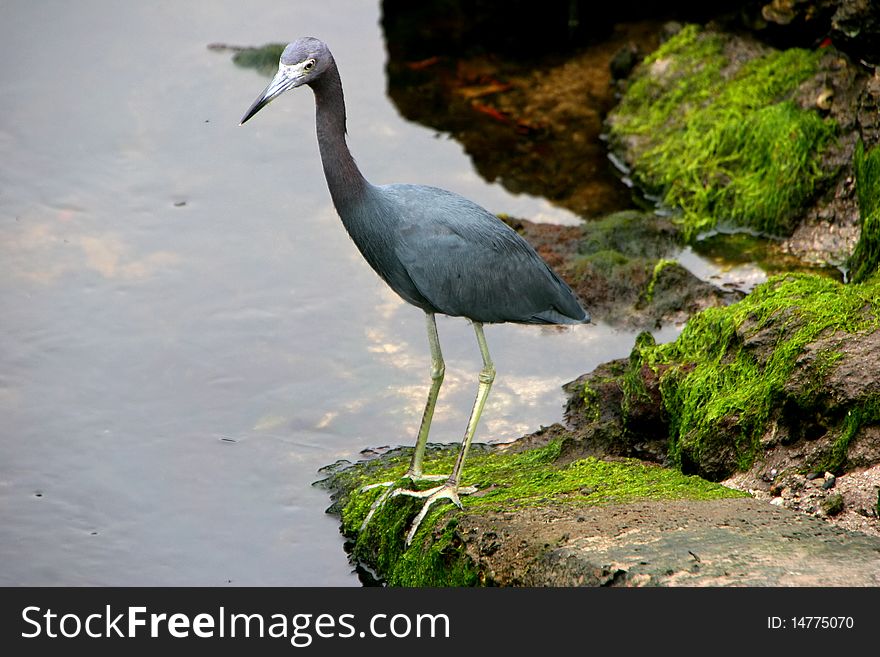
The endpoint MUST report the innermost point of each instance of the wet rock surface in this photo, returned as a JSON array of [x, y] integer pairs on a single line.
[[740, 542]]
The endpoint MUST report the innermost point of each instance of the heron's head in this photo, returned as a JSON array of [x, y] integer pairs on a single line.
[[302, 62]]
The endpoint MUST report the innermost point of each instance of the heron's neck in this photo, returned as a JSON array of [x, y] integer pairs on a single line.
[[345, 181]]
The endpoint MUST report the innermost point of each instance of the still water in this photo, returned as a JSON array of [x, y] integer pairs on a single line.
[[187, 332]]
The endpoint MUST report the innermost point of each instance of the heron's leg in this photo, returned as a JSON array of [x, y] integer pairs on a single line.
[[487, 376], [438, 370], [415, 473], [450, 489]]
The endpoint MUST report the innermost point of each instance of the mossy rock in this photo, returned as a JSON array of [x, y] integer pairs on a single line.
[[626, 273], [709, 123], [794, 362], [508, 481]]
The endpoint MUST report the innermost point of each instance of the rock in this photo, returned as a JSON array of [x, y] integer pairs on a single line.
[[856, 27], [641, 542], [623, 269], [817, 215], [624, 61], [815, 408], [833, 504], [739, 542]]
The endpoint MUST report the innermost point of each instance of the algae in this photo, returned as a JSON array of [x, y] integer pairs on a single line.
[[660, 265], [722, 141], [865, 259]]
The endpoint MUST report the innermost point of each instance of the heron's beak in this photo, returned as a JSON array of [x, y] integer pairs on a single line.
[[287, 77]]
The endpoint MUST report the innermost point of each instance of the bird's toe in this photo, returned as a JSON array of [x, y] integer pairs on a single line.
[[447, 491]]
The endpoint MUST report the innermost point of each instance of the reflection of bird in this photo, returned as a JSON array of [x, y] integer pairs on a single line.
[[437, 250]]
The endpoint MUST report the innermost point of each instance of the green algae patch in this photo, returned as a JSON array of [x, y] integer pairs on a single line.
[[727, 373], [865, 259], [507, 481], [661, 264], [713, 131]]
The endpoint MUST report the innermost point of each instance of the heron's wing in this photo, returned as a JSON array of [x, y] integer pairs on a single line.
[[469, 263]]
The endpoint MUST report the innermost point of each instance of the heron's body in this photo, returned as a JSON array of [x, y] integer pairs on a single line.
[[445, 254], [439, 251]]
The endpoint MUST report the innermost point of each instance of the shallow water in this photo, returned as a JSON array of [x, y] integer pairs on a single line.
[[187, 332]]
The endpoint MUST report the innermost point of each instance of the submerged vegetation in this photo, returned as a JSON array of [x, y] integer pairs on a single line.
[[720, 140]]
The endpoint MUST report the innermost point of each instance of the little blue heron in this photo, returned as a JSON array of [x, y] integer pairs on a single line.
[[437, 250]]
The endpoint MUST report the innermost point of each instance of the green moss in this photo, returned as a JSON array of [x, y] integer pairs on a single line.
[[719, 394], [507, 481], [606, 262], [632, 234], [855, 419], [677, 78], [866, 256], [632, 384], [591, 403], [661, 264], [723, 142], [833, 504]]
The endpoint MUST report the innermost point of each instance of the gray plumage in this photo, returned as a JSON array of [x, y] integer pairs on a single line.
[[437, 250], [447, 255]]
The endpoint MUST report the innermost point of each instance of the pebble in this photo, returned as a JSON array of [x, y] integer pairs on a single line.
[[825, 99], [833, 504]]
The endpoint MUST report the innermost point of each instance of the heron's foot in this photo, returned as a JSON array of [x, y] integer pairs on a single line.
[[412, 477], [447, 491], [380, 501]]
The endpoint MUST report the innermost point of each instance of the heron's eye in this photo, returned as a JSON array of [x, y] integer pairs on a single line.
[[309, 65]]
